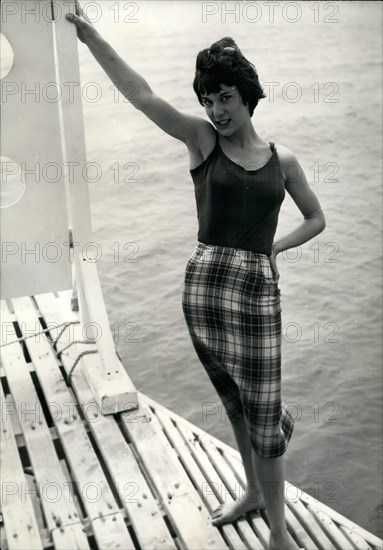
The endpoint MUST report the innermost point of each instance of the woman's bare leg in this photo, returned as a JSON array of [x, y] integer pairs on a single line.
[[264, 476], [271, 472], [241, 433], [252, 498]]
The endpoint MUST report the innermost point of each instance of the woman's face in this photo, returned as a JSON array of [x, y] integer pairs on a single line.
[[226, 109]]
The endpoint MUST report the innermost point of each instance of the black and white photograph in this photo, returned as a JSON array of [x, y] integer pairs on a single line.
[[191, 275]]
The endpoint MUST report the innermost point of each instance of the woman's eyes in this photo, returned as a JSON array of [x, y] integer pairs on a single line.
[[224, 99]]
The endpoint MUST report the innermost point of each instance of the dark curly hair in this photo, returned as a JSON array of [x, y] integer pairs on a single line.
[[224, 63]]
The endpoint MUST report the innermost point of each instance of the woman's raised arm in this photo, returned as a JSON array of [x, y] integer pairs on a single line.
[[135, 88]]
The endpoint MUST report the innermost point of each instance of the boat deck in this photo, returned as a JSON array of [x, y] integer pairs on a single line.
[[73, 478]]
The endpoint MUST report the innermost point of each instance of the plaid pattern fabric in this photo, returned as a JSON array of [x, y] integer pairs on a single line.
[[231, 305]]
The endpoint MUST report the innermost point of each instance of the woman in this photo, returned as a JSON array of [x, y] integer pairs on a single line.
[[231, 299]]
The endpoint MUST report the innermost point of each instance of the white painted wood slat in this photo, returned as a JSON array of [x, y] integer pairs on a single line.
[[87, 473], [198, 478], [59, 512], [214, 482], [133, 490], [173, 486], [21, 526]]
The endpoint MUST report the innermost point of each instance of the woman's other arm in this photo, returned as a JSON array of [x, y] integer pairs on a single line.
[[304, 197]]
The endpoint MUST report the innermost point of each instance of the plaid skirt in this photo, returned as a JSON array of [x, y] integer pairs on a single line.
[[231, 305]]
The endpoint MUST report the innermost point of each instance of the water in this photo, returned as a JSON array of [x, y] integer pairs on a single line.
[[331, 293]]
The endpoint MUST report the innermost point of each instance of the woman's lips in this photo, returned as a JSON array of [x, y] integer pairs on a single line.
[[223, 123]]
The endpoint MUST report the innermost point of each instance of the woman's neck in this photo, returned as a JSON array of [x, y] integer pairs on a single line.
[[245, 138]]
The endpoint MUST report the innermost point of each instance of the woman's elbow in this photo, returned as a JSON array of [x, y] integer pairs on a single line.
[[317, 221], [321, 222]]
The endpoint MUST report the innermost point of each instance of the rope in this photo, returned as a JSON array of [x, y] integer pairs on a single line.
[[71, 344], [65, 325], [88, 352], [68, 324], [80, 355]]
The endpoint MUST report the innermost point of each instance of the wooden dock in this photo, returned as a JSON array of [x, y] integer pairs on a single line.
[[73, 478]]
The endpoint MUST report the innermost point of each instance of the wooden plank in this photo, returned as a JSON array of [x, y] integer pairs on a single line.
[[82, 304], [132, 487], [111, 533], [3, 540], [73, 137], [210, 438], [70, 537], [310, 525], [229, 451], [173, 486], [9, 410], [340, 520], [7, 328], [128, 480], [31, 486], [58, 511], [210, 472], [337, 518], [63, 408], [300, 535], [235, 463], [21, 528], [198, 478], [355, 540], [260, 527], [102, 383], [180, 421], [229, 484], [75, 497], [209, 481], [257, 522], [333, 532], [73, 122], [79, 451], [226, 474], [293, 524], [112, 387]]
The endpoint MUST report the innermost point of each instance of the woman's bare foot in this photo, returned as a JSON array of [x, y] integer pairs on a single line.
[[230, 511], [282, 541]]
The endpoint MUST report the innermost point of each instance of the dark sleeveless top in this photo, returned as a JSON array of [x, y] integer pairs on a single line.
[[236, 207]]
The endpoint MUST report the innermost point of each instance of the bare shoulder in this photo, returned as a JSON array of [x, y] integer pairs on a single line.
[[203, 143], [290, 166], [285, 155], [206, 135], [298, 187]]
